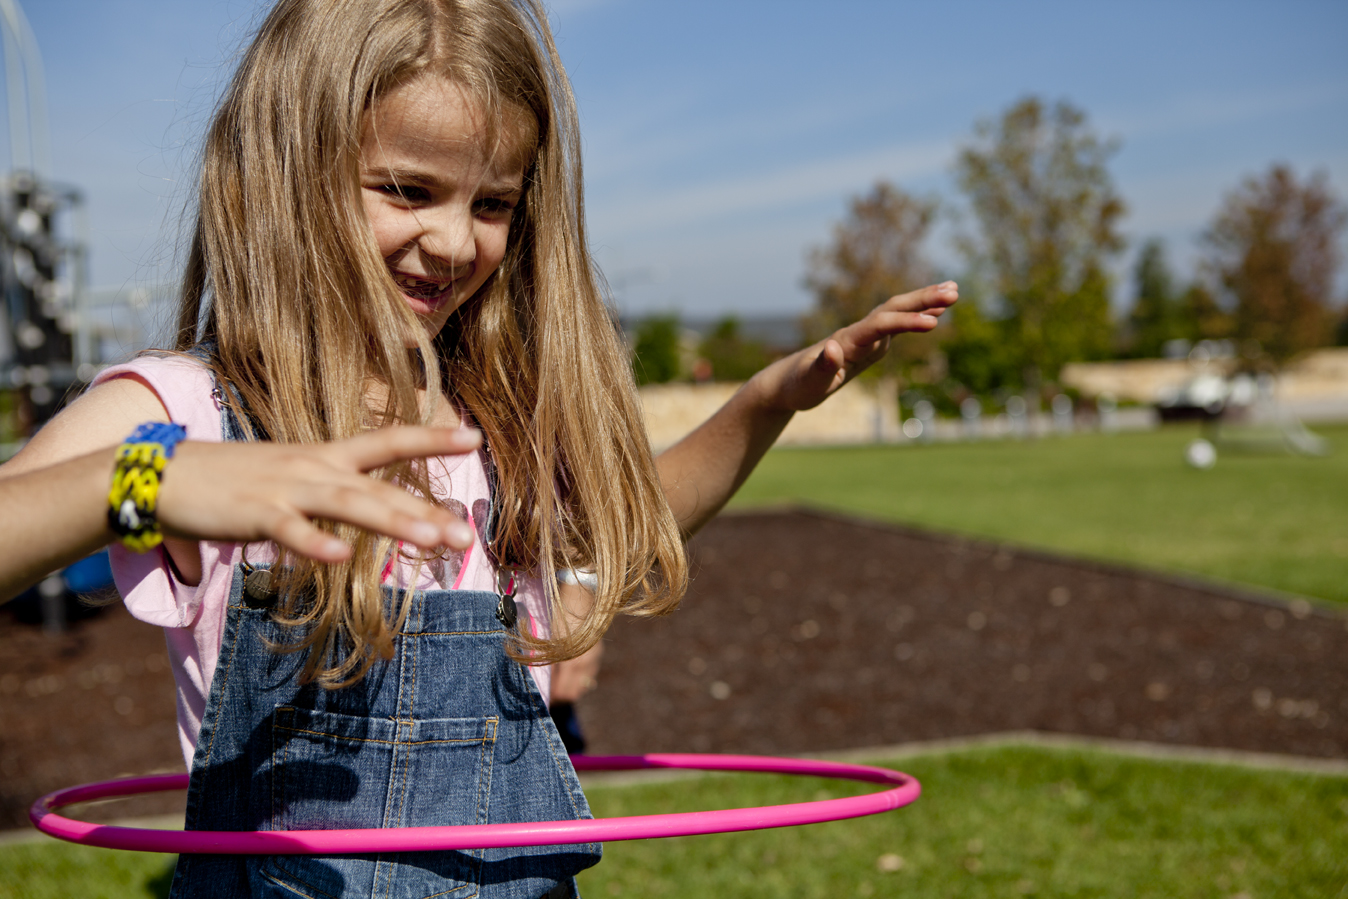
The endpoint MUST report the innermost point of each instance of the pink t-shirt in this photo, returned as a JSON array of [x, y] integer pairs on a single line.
[[193, 617]]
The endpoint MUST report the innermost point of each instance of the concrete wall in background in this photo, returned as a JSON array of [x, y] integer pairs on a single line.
[[861, 412], [1314, 387]]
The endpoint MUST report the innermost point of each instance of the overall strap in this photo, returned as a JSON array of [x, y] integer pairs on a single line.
[[234, 412]]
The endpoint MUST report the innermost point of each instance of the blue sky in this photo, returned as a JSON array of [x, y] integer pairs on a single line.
[[723, 139]]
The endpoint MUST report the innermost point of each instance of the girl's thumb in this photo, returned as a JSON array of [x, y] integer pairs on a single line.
[[824, 370]]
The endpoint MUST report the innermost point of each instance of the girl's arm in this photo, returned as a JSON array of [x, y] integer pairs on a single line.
[[53, 517], [57, 512], [701, 472]]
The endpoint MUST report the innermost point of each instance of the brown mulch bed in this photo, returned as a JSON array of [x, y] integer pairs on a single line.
[[93, 703], [806, 633]]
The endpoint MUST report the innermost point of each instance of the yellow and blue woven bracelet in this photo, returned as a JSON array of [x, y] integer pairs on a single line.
[[134, 497]]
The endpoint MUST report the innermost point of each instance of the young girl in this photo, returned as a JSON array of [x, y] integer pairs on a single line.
[[361, 602]]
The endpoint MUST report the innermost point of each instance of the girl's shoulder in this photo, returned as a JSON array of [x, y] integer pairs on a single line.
[[122, 396], [183, 384]]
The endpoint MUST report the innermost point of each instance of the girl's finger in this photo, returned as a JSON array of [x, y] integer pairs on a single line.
[[830, 360], [935, 295], [386, 509], [297, 533], [388, 445], [881, 324]]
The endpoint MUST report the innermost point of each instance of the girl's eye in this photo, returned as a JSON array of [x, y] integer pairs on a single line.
[[405, 192], [495, 206]]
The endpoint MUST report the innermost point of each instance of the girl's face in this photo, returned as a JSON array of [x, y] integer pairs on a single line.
[[438, 200]]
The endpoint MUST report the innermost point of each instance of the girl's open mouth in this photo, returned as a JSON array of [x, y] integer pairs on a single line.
[[421, 289]]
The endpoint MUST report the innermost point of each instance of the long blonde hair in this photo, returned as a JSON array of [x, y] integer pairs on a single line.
[[285, 280]]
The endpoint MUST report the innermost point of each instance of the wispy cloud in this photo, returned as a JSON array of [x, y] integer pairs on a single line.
[[677, 206], [1198, 111], [688, 123]]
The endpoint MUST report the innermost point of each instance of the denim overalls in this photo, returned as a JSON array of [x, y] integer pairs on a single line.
[[450, 730]]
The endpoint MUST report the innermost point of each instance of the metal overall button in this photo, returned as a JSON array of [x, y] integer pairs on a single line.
[[258, 592], [507, 612]]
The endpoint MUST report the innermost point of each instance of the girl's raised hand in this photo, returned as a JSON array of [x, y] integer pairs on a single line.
[[809, 377], [268, 491]]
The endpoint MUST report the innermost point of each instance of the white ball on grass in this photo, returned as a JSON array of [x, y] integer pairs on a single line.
[[1201, 454]]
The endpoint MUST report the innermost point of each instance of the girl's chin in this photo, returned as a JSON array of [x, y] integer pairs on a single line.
[[431, 315]]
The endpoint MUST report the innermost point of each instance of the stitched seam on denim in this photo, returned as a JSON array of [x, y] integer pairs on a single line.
[[380, 866], [484, 770], [291, 887], [561, 773], [278, 861], [215, 729], [408, 648], [416, 656], [319, 733], [383, 867], [454, 633], [463, 886], [407, 653], [483, 765], [278, 819], [271, 775]]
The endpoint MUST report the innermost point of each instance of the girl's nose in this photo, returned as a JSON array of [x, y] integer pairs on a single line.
[[447, 236]]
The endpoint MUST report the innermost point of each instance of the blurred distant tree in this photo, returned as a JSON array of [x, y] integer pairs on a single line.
[[1047, 216], [1162, 312], [1203, 318], [876, 252], [1157, 314], [655, 355], [732, 356], [1273, 251], [979, 354]]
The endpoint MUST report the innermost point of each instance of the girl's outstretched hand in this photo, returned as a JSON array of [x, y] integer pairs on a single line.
[[268, 491], [807, 378]]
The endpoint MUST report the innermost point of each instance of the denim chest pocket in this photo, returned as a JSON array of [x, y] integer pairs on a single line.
[[331, 771]]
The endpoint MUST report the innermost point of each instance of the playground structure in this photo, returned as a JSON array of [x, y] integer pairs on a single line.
[[47, 350], [46, 344]]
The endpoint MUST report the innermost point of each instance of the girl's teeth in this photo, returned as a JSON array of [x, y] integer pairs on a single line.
[[419, 287]]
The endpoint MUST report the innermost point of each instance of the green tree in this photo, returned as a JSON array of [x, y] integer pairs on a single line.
[[1047, 215], [1157, 314], [655, 354], [1202, 316], [875, 253], [1273, 252], [1162, 312], [978, 353], [733, 357]]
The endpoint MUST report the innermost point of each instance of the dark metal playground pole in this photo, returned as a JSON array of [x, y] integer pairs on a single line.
[[45, 343]]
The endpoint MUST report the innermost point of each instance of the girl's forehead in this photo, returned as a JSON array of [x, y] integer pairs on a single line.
[[432, 110]]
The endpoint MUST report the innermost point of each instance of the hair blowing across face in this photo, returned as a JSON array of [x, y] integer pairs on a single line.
[[284, 278]]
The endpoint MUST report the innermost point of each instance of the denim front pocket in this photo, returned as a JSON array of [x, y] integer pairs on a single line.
[[330, 771]]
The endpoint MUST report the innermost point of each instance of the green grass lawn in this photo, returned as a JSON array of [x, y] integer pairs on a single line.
[[998, 821], [1009, 821], [50, 869], [1006, 822], [1271, 520]]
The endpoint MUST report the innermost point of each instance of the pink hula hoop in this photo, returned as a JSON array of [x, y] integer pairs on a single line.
[[903, 789]]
